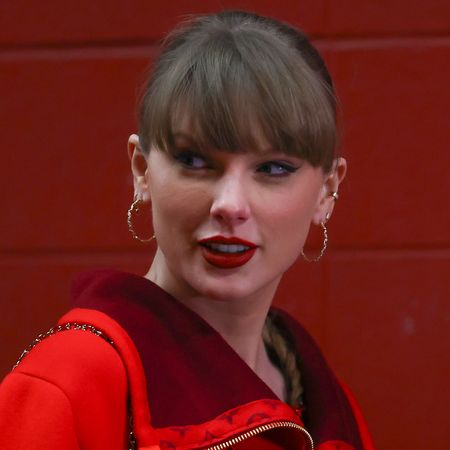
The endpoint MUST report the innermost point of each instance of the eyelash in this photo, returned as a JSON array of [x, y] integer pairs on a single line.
[[287, 168], [184, 157]]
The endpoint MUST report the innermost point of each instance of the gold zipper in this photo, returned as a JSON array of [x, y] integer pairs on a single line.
[[262, 428]]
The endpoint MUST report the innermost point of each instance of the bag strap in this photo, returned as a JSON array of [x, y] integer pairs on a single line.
[[132, 444]]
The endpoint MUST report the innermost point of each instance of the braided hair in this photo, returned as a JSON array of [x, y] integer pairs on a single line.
[[282, 353]]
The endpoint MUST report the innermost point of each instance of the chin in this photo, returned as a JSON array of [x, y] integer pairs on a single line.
[[226, 289], [219, 291]]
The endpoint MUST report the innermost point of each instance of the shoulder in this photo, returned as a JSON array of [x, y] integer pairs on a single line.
[[76, 374], [35, 413], [73, 356], [84, 366]]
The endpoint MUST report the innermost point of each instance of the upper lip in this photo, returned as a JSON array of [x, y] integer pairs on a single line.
[[227, 240]]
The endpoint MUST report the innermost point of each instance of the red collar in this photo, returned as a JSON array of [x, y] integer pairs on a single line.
[[194, 377]]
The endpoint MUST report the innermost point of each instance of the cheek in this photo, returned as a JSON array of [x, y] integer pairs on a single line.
[[292, 213], [178, 206], [288, 222]]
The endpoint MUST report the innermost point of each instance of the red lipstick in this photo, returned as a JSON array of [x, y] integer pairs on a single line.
[[224, 258]]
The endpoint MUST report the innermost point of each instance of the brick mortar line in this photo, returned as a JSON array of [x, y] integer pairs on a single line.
[[140, 45]]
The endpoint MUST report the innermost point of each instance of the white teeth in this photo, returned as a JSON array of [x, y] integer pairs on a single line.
[[227, 248]]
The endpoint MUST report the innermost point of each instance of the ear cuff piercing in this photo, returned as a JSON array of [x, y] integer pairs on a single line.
[[334, 195]]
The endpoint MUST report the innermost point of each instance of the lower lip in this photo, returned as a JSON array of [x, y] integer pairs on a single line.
[[227, 260]]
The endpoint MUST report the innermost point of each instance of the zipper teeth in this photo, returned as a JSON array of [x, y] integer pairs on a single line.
[[269, 426]]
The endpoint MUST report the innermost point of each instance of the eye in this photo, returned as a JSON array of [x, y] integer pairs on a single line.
[[191, 160], [276, 168]]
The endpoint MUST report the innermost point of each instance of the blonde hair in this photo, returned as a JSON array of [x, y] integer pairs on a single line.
[[283, 355], [241, 79]]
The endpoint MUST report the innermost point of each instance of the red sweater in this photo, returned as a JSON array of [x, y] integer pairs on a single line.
[[187, 387]]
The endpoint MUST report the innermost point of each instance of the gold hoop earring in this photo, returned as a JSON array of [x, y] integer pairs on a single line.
[[134, 210], [334, 195], [324, 244]]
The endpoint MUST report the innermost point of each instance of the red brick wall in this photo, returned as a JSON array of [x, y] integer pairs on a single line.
[[378, 303]]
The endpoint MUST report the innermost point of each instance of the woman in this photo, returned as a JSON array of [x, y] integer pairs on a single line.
[[236, 158]]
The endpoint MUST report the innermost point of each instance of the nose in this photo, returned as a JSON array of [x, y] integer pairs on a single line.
[[230, 205]]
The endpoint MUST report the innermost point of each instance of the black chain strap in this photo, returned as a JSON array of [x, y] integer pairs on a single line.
[[132, 444]]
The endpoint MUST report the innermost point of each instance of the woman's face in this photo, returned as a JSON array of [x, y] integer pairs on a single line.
[[228, 225]]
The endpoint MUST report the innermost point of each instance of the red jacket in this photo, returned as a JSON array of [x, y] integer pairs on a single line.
[[187, 387]]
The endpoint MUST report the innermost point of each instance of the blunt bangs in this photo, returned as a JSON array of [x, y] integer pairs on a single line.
[[239, 89]]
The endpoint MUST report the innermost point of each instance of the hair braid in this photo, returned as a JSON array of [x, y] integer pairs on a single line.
[[282, 353]]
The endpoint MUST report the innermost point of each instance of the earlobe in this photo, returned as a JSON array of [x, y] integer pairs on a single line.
[[138, 168]]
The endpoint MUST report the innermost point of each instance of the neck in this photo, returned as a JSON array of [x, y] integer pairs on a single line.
[[239, 321]]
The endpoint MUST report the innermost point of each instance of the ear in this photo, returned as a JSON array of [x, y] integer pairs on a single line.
[[332, 180], [138, 168]]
